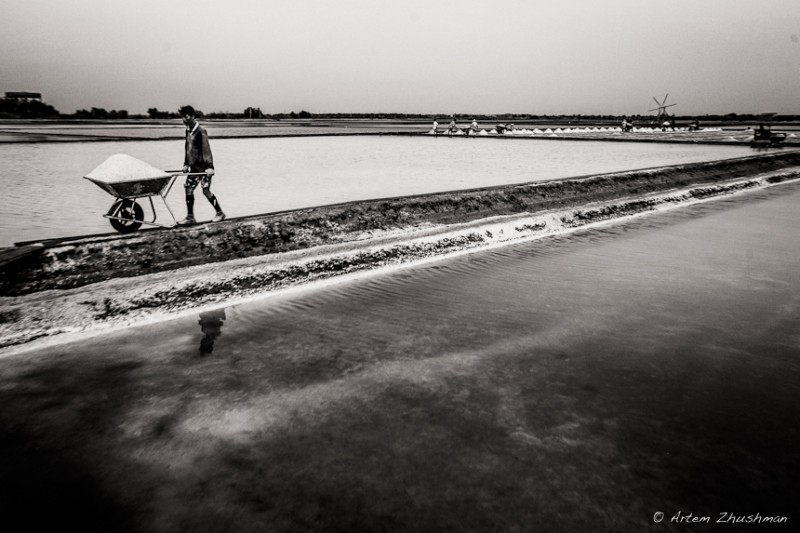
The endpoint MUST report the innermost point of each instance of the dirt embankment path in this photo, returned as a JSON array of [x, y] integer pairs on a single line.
[[93, 283]]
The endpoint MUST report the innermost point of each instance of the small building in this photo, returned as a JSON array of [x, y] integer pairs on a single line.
[[24, 97]]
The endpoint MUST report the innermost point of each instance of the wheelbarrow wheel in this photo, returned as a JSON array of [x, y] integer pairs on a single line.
[[131, 213]]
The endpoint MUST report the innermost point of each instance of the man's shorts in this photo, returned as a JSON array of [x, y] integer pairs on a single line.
[[192, 181]]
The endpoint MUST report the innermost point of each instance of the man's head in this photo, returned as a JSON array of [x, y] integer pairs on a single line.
[[188, 114]]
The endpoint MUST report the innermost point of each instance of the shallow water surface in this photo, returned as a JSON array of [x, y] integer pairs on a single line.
[[692, 276], [46, 197], [595, 378]]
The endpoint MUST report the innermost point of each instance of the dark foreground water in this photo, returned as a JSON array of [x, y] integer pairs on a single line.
[[45, 195], [582, 383]]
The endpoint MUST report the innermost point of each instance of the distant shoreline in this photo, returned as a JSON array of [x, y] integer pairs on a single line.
[[21, 131]]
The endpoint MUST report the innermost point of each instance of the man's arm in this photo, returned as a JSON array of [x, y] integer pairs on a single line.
[[205, 149], [186, 148]]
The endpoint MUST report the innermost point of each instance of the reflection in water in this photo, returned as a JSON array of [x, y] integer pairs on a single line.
[[211, 326]]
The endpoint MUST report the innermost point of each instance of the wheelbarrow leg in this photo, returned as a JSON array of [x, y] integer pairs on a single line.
[[174, 220], [153, 207]]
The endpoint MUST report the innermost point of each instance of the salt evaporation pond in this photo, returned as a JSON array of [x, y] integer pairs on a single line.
[[640, 367], [45, 195]]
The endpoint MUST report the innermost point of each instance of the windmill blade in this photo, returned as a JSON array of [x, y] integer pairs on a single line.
[[670, 105], [665, 99], [657, 102], [657, 109]]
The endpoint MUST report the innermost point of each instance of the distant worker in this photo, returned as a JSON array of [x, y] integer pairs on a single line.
[[435, 129], [199, 162], [452, 128], [626, 126], [474, 126]]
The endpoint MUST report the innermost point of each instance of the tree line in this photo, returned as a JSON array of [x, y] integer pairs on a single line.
[[11, 108]]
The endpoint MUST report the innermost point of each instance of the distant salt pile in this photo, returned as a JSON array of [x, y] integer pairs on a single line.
[[122, 167], [556, 131]]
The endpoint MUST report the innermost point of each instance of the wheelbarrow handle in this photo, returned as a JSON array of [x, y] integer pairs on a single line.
[[182, 173]]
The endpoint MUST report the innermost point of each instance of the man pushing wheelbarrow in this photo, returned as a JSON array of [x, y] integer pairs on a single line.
[[128, 180], [198, 164]]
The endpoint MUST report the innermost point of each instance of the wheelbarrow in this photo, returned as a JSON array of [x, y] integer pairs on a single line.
[[129, 179]]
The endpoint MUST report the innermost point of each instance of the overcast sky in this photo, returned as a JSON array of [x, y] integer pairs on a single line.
[[427, 56]]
